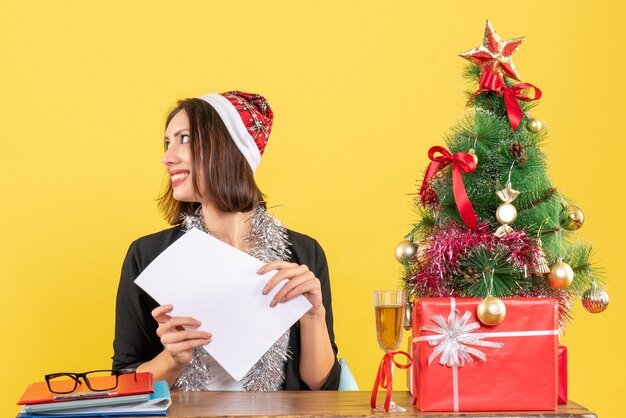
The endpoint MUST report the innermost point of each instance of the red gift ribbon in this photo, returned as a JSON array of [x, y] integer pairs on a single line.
[[384, 378], [461, 162], [490, 81]]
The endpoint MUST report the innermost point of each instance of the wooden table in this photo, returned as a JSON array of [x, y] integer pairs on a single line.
[[320, 404]]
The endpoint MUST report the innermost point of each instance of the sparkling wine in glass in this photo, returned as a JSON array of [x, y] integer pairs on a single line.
[[389, 313]]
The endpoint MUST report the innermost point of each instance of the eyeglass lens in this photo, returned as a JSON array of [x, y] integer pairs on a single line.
[[98, 380]]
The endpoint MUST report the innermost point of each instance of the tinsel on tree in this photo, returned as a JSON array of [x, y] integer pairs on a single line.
[[491, 223]]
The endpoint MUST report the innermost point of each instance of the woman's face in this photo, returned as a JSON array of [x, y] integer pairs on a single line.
[[177, 159]]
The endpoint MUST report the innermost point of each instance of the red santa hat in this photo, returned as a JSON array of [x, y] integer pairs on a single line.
[[248, 118]]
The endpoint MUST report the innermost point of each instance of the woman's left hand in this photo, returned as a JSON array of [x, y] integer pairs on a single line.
[[301, 281]]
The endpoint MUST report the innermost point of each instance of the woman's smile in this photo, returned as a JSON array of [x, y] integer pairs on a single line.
[[178, 177]]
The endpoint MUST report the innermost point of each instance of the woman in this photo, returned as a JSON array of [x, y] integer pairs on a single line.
[[213, 145]]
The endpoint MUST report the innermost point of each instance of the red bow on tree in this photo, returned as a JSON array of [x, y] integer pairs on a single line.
[[490, 81], [461, 162]]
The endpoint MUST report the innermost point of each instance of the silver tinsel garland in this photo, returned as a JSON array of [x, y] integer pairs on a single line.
[[269, 242]]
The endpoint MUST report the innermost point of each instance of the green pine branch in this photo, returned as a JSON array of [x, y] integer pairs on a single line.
[[483, 273]]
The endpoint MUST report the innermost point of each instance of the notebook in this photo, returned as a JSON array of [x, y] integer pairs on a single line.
[[84, 403], [160, 400]]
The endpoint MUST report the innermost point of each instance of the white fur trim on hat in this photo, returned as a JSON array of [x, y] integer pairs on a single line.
[[236, 128]]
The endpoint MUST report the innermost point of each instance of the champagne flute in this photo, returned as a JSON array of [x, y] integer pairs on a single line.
[[389, 312]]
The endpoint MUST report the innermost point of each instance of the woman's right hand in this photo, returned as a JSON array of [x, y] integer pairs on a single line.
[[178, 341]]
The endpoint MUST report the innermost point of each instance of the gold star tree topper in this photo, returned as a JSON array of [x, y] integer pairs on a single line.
[[495, 54]]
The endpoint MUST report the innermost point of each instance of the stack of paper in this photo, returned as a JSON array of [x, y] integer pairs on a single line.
[[132, 397]]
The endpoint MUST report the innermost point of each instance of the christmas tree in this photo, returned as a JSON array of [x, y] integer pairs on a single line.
[[491, 224]]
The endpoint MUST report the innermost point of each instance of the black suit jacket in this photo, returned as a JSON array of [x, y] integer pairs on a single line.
[[136, 340]]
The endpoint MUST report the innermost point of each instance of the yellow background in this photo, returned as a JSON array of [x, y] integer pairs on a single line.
[[361, 90]]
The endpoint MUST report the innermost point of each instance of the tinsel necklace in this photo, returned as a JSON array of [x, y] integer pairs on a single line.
[[268, 242]]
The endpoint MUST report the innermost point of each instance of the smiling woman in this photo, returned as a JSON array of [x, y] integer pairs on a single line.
[[213, 145], [221, 171]]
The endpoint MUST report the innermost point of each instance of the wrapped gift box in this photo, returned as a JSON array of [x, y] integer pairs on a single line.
[[562, 385], [518, 369]]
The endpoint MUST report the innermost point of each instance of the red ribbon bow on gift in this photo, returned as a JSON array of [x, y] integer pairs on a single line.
[[490, 81], [384, 378], [461, 162]]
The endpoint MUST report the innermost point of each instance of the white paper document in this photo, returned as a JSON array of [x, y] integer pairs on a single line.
[[217, 284]]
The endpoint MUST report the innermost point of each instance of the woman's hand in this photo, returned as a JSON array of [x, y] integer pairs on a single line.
[[316, 353], [301, 281], [178, 341]]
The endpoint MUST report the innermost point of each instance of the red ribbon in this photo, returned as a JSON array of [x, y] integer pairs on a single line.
[[461, 162], [490, 81], [384, 378]]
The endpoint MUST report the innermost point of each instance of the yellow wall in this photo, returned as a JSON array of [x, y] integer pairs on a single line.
[[361, 91]]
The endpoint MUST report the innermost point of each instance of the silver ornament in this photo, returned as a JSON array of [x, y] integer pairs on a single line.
[[506, 212], [595, 299], [508, 194], [541, 264]]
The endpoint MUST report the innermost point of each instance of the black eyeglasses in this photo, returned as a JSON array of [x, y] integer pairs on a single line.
[[96, 380]]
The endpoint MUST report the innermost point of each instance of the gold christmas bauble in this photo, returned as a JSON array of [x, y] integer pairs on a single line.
[[472, 152], [595, 300], [405, 250], [572, 217], [491, 311], [561, 275], [533, 125], [506, 213]]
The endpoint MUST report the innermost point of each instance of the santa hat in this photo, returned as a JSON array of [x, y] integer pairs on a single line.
[[248, 118]]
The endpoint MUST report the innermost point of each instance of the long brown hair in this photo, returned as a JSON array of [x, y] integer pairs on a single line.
[[228, 178]]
